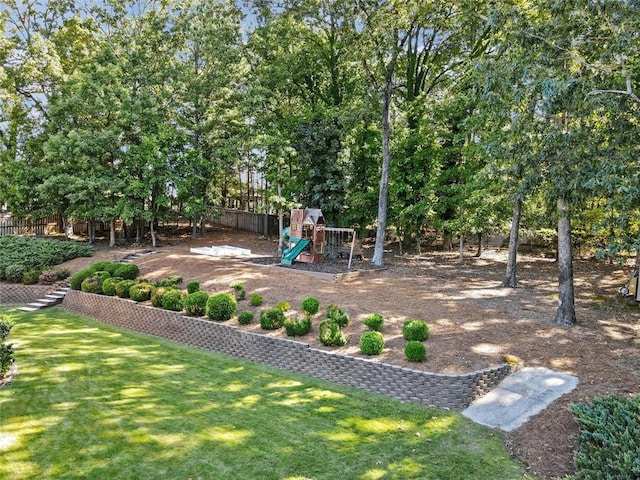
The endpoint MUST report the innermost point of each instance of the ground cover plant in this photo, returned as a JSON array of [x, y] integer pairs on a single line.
[[118, 405]]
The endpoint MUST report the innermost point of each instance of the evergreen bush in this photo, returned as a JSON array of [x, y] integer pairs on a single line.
[[173, 299], [271, 318], [93, 283], [374, 321], [415, 351], [310, 305], [415, 330], [238, 290], [31, 276], [5, 327], [48, 277], [298, 327], [284, 306], [371, 343], [104, 266], [331, 335], [123, 287], [128, 271], [221, 307], [14, 273], [245, 318], [336, 314], [75, 282], [170, 281], [6, 358], [109, 285], [195, 303], [193, 287], [256, 300], [141, 292], [156, 296]]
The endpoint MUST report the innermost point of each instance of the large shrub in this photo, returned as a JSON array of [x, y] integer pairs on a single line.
[[173, 299], [415, 351], [75, 282], [31, 276], [128, 271], [93, 283], [104, 266], [310, 305], [195, 304], [371, 343], [374, 321], [156, 296], [298, 327], [109, 285], [271, 318], [331, 335], [221, 307], [415, 330], [14, 273], [123, 287], [141, 292], [608, 442], [337, 315]]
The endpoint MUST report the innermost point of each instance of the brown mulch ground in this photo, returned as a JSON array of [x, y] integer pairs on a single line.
[[473, 322]]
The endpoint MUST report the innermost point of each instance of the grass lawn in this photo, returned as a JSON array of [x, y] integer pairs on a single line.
[[94, 402]]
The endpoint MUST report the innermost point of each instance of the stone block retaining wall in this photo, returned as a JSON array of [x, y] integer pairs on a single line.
[[18, 293], [450, 391]]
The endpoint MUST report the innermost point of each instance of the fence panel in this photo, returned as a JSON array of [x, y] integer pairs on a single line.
[[9, 225], [248, 221]]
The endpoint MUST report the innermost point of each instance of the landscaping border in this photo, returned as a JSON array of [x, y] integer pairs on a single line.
[[440, 390], [11, 293]]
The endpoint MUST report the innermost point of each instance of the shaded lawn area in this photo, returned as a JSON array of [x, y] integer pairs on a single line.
[[94, 402]]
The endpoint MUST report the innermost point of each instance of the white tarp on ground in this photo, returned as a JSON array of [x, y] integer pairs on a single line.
[[222, 251]]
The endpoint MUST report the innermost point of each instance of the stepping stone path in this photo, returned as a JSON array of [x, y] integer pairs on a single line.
[[56, 297]]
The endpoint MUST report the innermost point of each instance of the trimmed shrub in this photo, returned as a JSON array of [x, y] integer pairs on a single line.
[[105, 266], [75, 282], [415, 330], [109, 285], [245, 318], [374, 321], [238, 290], [310, 305], [6, 358], [608, 446], [14, 273], [298, 327], [170, 281], [93, 283], [141, 292], [371, 343], [193, 287], [256, 299], [128, 271], [5, 327], [173, 299], [340, 317], [48, 277], [331, 335], [156, 296], [415, 351], [221, 307], [195, 303], [31, 276], [123, 287], [271, 318], [284, 306]]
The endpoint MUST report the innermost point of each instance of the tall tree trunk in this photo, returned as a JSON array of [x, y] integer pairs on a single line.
[[461, 249], [152, 231], [566, 314], [479, 251], [112, 232], [510, 276], [378, 251]]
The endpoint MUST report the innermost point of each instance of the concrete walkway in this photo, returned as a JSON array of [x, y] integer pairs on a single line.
[[520, 396]]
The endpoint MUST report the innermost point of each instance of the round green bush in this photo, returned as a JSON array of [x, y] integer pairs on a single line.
[[221, 307], [374, 321], [173, 299], [245, 318], [105, 266], [331, 335], [141, 292], [122, 288], [371, 343], [298, 327], [14, 273], [75, 282], [310, 305], [256, 299], [193, 287], [92, 284], [170, 281], [238, 290], [128, 271], [271, 318], [31, 276], [109, 285], [415, 351], [195, 303], [415, 330], [336, 314], [156, 296]]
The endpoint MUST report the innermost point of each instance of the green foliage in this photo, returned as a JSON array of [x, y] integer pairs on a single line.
[[195, 303], [415, 351], [331, 334], [239, 290], [298, 327], [6, 324], [109, 285], [31, 276], [310, 305], [75, 282], [256, 300], [14, 273], [284, 306], [193, 287], [6, 358], [374, 321], [221, 307], [336, 314], [608, 447], [415, 330], [173, 299], [156, 296], [140, 292], [170, 281], [63, 273], [128, 271], [104, 266], [93, 283], [123, 287], [271, 318], [371, 343], [245, 318]]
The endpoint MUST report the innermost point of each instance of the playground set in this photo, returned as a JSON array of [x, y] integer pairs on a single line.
[[309, 240]]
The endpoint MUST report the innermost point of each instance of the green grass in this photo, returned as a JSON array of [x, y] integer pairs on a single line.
[[94, 402]]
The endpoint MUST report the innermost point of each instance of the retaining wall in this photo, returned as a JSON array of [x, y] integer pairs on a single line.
[[20, 294], [450, 391]]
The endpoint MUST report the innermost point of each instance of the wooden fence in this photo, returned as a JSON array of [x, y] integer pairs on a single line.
[[9, 225], [251, 222]]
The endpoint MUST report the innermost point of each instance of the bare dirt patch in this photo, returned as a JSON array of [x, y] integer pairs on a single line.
[[473, 322]]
